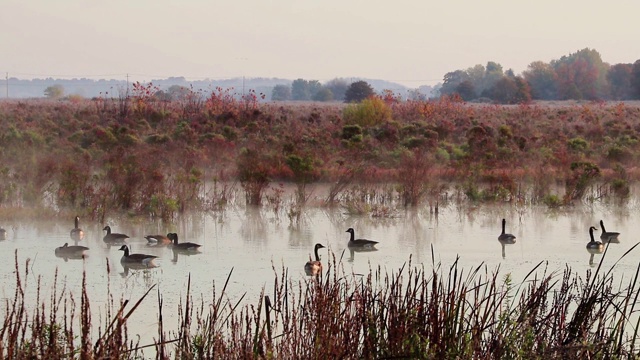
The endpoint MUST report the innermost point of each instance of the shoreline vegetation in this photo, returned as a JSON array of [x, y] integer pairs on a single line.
[[418, 312], [139, 155]]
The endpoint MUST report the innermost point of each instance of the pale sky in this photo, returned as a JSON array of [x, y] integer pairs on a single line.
[[412, 42]]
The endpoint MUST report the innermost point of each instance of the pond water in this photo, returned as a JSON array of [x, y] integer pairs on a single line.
[[252, 241]]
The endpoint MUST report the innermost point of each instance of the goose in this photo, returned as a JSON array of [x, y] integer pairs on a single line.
[[504, 237], [186, 246], [77, 234], [73, 251], [360, 243], [608, 236], [142, 259], [314, 268], [593, 246], [3, 234], [113, 238], [158, 239]]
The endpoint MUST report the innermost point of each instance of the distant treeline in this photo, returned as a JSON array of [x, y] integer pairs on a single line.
[[90, 88], [578, 76]]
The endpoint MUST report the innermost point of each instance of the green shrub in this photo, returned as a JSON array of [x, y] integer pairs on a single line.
[[620, 187], [157, 139], [349, 132], [413, 142], [370, 112], [578, 144], [618, 153], [553, 201], [229, 133], [442, 155]]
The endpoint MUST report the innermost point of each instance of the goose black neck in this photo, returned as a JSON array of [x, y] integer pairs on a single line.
[[602, 226], [504, 222], [591, 234], [76, 222], [352, 236], [126, 251], [315, 250], [175, 239]]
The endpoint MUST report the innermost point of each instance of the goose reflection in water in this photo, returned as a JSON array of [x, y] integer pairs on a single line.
[[503, 244], [353, 250], [594, 247], [136, 267], [182, 253], [505, 238]]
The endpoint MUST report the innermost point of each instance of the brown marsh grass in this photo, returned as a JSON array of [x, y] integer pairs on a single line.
[[413, 312]]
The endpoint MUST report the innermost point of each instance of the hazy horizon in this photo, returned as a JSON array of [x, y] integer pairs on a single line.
[[412, 42]]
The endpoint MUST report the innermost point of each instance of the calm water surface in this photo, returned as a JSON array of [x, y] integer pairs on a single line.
[[252, 242]]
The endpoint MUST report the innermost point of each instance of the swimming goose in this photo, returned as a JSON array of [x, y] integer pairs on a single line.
[[360, 243], [593, 246], [143, 259], [158, 239], [187, 246], [608, 236], [73, 251], [76, 233], [113, 238], [504, 237], [314, 268]]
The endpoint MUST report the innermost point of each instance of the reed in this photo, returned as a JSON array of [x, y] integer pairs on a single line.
[[417, 311]]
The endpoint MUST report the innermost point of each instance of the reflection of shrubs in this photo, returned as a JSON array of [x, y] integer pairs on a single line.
[[413, 171], [620, 187], [163, 207], [303, 173], [553, 201], [582, 176], [253, 174]]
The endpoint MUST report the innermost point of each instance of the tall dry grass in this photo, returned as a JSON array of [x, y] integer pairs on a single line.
[[417, 311]]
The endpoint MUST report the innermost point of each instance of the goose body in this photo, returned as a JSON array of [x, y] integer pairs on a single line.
[[76, 233], [504, 237], [185, 246], [142, 259], [158, 239], [593, 246], [73, 251], [608, 236], [113, 238], [314, 268], [360, 243]]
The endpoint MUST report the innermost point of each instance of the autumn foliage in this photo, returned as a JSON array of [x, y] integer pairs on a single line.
[[156, 156]]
